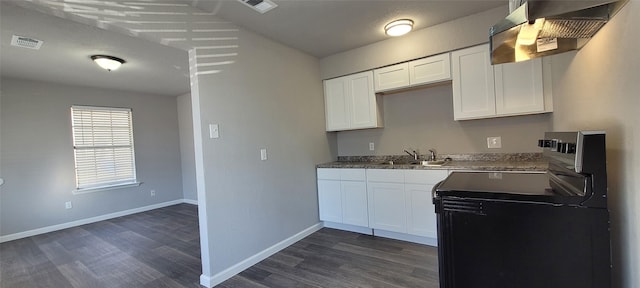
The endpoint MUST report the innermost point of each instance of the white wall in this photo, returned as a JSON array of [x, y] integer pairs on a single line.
[[270, 97], [423, 119], [36, 157], [597, 88], [187, 153]]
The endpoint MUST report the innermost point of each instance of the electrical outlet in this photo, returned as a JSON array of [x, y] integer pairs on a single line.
[[153, 193], [494, 142], [68, 205], [371, 146], [495, 175]]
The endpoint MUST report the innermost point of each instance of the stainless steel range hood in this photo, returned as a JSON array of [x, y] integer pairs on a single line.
[[540, 28]]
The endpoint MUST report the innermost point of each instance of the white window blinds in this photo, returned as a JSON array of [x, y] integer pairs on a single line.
[[103, 146]]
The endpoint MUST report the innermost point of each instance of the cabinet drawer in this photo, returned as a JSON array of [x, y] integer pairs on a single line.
[[424, 176], [353, 174], [385, 175], [328, 173]]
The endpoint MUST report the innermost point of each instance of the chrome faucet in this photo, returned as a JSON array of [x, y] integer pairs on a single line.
[[414, 154], [432, 157]]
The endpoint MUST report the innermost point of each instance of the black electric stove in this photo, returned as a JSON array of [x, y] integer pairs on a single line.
[[529, 229]]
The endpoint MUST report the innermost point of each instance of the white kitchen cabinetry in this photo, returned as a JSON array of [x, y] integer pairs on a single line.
[[473, 83], [481, 90], [351, 103], [418, 72], [519, 88], [387, 202], [421, 215], [430, 70], [391, 77], [400, 200], [342, 196]]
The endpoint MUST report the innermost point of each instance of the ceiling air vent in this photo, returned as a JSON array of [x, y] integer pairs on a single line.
[[26, 42], [261, 6]]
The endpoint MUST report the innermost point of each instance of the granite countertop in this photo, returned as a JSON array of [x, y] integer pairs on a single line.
[[476, 161]]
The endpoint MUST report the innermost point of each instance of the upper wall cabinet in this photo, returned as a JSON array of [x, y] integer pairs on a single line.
[[418, 72], [351, 103], [481, 90]]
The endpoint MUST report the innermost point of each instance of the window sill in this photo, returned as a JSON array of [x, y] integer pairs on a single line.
[[104, 188]]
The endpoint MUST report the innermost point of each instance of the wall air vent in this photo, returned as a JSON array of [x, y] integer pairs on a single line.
[[261, 6], [26, 42]]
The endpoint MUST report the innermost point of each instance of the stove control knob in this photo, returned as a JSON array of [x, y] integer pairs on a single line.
[[569, 148], [544, 143], [560, 147]]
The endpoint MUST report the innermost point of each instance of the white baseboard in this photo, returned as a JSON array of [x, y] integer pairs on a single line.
[[407, 237], [210, 281], [347, 227], [190, 201], [57, 227]]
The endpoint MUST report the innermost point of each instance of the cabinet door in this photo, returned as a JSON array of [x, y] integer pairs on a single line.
[[354, 203], [387, 207], [519, 87], [392, 77], [337, 104], [421, 216], [330, 200], [473, 83], [364, 109], [430, 70]]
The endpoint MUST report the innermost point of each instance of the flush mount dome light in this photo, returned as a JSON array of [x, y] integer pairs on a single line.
[[108, 63], [398, 27]]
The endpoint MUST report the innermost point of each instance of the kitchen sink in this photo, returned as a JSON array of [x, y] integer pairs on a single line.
[[434, 163], [423, 163]]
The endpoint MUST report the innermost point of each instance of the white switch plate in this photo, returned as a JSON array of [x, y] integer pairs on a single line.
[[263, 154], [371, 146], [494, 142], [214, 131], [67, 205], [153, 193]]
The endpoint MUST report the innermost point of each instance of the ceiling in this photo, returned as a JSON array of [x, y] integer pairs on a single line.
[[64, 56], [325, 27], [317, 27]]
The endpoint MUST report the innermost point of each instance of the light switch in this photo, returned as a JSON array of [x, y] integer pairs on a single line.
[[371, 146], [214, 131], [263, 154]]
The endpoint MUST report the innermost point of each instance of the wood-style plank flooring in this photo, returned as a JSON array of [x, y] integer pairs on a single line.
[[334, 258], [160, 248]]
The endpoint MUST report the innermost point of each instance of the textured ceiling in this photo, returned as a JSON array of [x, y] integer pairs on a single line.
[[71, 34], [64, 56], [325, 27]]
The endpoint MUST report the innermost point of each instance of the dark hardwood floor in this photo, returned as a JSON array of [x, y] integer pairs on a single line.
[[160, 248], [334, 258]]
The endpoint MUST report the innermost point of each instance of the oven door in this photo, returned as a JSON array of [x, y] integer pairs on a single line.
[[499, 243]]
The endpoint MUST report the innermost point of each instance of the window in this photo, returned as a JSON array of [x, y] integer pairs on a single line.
[[103, 147]]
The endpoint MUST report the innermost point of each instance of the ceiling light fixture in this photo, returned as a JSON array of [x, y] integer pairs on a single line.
[[398, 27], [108, 63]]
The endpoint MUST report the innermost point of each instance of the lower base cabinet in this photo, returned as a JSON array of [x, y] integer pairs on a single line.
[[354, 203], [342, 196], [387, 206], [393, 202]]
